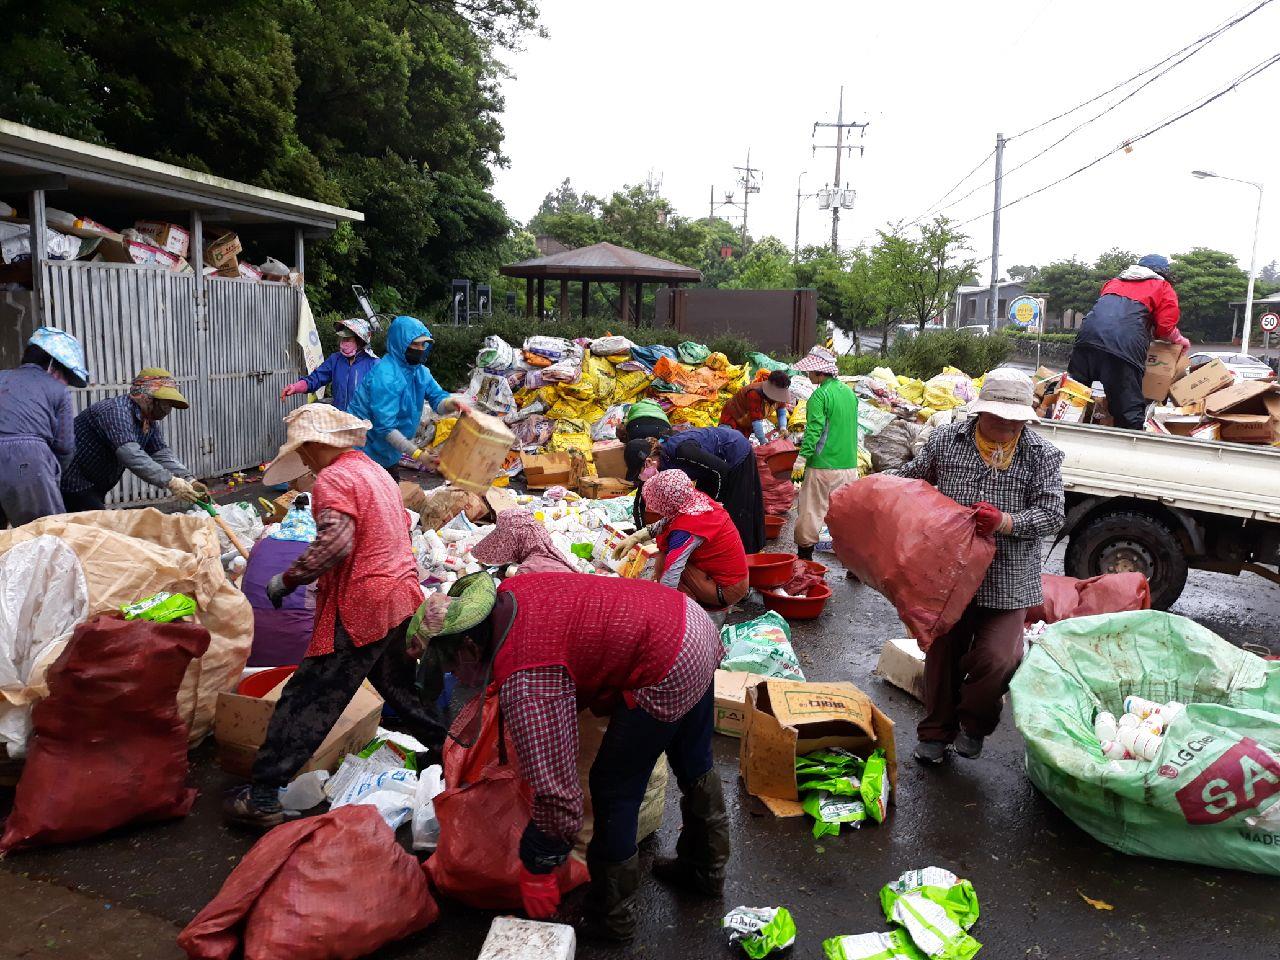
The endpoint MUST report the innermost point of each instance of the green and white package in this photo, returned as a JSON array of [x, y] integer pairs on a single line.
[[830, 811], [162, 607], [760, 930], [936, 908], [836, 771], [894, 945], [875, 787], [761, 646]]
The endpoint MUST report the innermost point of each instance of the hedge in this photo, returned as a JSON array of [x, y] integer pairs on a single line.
[[923, 356], [1043, 338]]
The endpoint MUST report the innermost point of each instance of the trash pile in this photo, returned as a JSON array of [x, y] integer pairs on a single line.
[[1139, 732], [148, 243], [837, 786]]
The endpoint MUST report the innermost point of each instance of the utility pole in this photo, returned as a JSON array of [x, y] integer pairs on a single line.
[[993, 299], [839, 197], [749, 186], [796, 255]]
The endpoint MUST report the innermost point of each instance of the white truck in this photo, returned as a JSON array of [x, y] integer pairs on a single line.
[[1160, 505]]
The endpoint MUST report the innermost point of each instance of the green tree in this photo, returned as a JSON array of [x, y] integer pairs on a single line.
[[1207, 281], [1112, 263], [1068, 285], [927, 269], [1027, 273], [765, 266]]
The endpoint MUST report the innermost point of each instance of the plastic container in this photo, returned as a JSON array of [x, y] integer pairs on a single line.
[[475, 451], [781, 463], [773, 527], [769, 569], [808, 607], [264, 681], [816, 568]]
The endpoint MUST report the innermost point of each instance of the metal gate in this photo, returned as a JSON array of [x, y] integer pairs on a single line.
[[231, 356]]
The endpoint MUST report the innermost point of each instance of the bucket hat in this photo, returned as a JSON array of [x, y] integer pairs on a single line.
[[1008, 394], [64, 348]]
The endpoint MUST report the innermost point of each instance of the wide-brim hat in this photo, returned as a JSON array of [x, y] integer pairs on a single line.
[[313, 423], [470, 599], [819, 360], [356, 326], [776, 393], [160, 384], [1008, 394], [64, 348]]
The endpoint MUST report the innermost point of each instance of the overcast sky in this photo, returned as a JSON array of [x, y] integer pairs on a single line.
[[683, 89]]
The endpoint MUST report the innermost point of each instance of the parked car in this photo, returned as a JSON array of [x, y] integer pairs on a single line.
[[1242, 365], [975, 330]]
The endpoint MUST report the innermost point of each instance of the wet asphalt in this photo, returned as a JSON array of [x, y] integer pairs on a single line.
[[1031, 866]]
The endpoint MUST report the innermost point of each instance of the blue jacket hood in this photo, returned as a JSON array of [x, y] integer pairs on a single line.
[[403, 331]]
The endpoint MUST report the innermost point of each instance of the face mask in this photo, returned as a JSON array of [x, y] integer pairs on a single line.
[[649, 471], [159, 409], [415, 356], [348, 348]]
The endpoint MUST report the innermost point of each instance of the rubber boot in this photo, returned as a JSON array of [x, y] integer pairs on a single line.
[[610, 910], [702, 852], [804, 553]]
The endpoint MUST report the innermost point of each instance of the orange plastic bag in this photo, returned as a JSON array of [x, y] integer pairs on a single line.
[[109, 746], [332, 887], [915, 545], [1066, 597], [482, 815]]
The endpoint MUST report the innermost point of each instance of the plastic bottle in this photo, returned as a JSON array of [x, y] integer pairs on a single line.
[[1141, 706], [1153, 724], [1127, 737], [1128, 720], [1113, 750], [1104, 726], [1146, 745]]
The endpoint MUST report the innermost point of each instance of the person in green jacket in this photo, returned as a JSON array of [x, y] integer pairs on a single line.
[[829, 447], [644, 419]]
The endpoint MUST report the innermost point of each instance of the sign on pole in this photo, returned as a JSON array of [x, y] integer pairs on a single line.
[[1024, 311], [1269, 322]]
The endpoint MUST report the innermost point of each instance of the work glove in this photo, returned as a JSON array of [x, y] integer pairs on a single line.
[[185, 491], [299, 387], [277, 590], [1182, 341], [988, 518], [457, 403], [426, 459], [540, 894], [640, 537], [200, 489]]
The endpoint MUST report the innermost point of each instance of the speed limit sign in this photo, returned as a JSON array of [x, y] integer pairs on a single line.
[[1269, 322]]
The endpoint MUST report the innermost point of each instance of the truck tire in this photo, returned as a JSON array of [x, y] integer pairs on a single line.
[[1125, 542]]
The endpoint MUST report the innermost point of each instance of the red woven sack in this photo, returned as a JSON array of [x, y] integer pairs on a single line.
[[915, 545], [1066, 597], [109, 746], [779, 492], [482, 815], [332, 887]]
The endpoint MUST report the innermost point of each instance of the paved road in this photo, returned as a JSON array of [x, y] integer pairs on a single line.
[[1031, 866]]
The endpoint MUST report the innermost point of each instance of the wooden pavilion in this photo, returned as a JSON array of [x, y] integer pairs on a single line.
[[598, 263]]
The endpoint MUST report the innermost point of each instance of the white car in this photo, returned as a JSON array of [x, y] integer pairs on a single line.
[[1243, 366]]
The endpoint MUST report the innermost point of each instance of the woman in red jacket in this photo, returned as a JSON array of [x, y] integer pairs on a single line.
[[633, 650], [701, 551]]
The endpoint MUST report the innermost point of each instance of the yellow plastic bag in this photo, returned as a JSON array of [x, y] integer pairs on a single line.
[[911, 390], [698, 414], [885, 376], [443, 429], [717, 361], [799, 416], [864, 462], [939, 396]]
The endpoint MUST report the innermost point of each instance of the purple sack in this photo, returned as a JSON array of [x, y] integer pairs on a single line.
[[280, 637]]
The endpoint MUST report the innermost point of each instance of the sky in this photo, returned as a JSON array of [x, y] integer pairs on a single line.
[[680, 91]]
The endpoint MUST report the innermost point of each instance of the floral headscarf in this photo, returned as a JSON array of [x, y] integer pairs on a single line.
[[670, 493], [519, 537]]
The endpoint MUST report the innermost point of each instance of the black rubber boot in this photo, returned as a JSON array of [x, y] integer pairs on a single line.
[[610, 910], [702, 852], [804, 553]]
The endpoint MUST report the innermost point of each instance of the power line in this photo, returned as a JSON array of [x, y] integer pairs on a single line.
[[980, 164], [1249, 74]]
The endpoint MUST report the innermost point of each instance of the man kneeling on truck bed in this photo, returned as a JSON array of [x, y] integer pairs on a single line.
[[1014, 477], [1113, 341]]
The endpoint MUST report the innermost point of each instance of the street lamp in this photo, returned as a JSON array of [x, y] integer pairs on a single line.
[[798, 179], [1253, 256]]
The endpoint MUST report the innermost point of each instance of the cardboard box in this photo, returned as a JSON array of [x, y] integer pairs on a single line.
[[136, 251], [1200, 382], [1166, 362], [240, 271], [603, 488], [167, 236], [901, 663], [1045, 381], [1072, 403], [1248, 412], [786, 719], [222, 251], [610, 459], [542, 470], [240, 727], [731, 688]]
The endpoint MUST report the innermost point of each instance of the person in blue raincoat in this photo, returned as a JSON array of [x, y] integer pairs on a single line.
[[37, 436], [343, 369], [391, 396]]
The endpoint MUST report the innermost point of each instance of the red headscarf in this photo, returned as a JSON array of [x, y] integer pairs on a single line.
[[671, 493]]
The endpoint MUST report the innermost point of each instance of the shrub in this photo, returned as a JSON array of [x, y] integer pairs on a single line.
[[925, 355], [859, 365], [1062, 337]]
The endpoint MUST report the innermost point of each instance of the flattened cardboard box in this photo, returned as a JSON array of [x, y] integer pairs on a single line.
[[610, 459], [731, 688], [1201, 382], [902, 664], [240, 727], [786, 719], [1249, 412], [1166, 362]]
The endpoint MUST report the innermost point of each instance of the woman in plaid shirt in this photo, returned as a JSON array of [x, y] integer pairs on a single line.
[[1014, 477]]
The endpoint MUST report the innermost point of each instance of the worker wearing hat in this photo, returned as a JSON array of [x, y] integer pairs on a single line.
[[36, 432], [633, 650], [1013, 477], [829, 447], [749, 410], [1113, 341], [123, 433], [366, 593], [343, 369]]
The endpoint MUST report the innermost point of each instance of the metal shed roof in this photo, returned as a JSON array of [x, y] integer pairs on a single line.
[[602, 261], [98, 171]]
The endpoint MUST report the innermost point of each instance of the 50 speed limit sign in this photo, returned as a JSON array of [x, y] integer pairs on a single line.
[[1269, 322]]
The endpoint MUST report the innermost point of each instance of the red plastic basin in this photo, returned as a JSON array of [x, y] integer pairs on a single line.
[[808, 607], [780, 464], [264, 681], [769, 569], [815, 567], [773, 527]]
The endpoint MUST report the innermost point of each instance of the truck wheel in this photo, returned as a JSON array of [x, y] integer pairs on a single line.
[[1130, 543]]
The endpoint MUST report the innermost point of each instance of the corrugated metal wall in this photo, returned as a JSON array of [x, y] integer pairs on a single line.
[[230, 357]]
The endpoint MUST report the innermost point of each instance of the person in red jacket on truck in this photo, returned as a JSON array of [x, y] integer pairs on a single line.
[[1136, 307]]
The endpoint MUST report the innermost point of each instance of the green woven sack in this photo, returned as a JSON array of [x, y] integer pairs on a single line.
[[1212, 793]]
